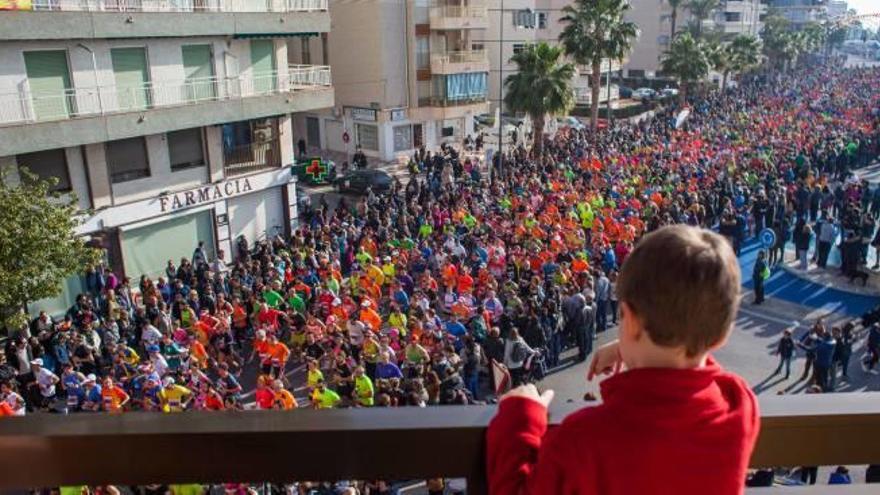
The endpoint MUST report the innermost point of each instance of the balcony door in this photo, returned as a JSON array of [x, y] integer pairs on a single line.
[[132, 78], [263, 66], [49, 81], [199, 73]]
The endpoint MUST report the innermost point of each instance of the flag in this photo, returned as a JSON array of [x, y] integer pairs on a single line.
[[501, 376]]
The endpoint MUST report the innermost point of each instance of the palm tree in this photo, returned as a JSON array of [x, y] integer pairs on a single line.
[[541, 86], [777, 39], [701, 9], [673, 18], [596, 29], [744, 54], [687, 61]]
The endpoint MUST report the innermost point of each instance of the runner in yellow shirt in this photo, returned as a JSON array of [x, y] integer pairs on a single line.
[[174, 398], [323, 397], [363, 388]]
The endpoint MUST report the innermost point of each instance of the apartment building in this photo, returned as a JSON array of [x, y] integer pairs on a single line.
[[170, 121], [654, 18], [515, 23], [407, 73], [800, 12]]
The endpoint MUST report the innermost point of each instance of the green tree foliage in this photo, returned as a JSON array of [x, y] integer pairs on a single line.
[[38, 245], [596, 30], [541, 86], [687, 60]]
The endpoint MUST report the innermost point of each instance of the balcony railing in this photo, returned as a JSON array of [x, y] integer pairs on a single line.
[[341, 444], [437, 101], [181, 5], [459, 17], [252, 157], [27, 106], [456, 62]]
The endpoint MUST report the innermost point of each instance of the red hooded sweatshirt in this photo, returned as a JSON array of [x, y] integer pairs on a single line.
[[658, 431]]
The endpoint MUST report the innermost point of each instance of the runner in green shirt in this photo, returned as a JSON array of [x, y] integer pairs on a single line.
[[363, 387]]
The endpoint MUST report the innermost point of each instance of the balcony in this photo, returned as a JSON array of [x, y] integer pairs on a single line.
[[455, 62], [43, 121], [171, 6], [97, 19], [47, 450], [250, 158], [459, 17]]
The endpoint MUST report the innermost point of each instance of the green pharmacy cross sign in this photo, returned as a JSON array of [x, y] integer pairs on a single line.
[[317, 170]]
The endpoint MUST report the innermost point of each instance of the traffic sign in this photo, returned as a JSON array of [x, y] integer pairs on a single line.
[[768, 238]]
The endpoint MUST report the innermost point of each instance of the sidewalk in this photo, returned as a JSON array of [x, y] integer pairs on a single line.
[[831, 276]]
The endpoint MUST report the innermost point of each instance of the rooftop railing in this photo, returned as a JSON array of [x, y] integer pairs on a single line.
[[375, 443], [34, 106], [180, 5]]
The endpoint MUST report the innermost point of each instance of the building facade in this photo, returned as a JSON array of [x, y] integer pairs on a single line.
[[654, 18], [171, 123], [515, 23], [800, 12], [407, 73]]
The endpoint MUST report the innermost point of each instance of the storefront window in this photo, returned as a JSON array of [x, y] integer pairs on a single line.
[[402, 138], [367, 136]]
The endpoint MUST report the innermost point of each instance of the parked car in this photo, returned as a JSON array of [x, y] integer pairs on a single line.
[[644, 94], [357, 181], [571, 122], [668, 92], [625, 92]]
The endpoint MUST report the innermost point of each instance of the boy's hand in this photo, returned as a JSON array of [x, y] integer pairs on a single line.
[[606, 361], [530, 392]]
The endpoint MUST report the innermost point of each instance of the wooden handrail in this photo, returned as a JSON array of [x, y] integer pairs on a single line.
[[377, 443]]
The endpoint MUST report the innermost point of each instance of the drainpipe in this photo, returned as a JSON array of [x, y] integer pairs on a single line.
[[95, 72]]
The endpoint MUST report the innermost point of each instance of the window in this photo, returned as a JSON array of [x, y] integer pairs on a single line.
[[423, 90], [423, 54], [542, 20], [403, 138], [127, 159], [524, 19], [185, 149], [477, 47], [367, 136], [324, 49], [49, 164], [305, 42], [636, 73], [518, 47], [732, 16]]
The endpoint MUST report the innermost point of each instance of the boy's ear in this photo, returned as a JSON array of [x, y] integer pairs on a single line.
[[631, 324]]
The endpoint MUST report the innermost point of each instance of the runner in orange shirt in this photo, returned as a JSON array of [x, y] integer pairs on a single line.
[[370, 317], [113, 397], [278, 355]]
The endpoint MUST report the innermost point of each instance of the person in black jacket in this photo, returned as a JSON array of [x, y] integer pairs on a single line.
[[785, 350], [758, 277]]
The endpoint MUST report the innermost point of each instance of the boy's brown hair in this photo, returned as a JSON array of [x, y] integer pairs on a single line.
[[683, 283]]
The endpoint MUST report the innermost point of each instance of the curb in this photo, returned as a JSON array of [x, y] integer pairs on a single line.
[[801, 275]]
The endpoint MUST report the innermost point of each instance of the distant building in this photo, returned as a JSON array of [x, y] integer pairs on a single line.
[[171, 122], [800, 12]]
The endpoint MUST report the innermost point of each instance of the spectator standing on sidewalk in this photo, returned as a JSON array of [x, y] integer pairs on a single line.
[[803, 234], [785, 350], [603, 295], [760, 272], [824, 239]]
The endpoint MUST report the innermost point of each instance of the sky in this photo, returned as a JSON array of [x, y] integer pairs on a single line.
[[864, 6]]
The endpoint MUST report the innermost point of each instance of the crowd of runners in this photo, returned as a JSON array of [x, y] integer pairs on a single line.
[[407, 299]]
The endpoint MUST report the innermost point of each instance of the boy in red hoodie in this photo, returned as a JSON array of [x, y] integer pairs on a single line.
[[674, 422]]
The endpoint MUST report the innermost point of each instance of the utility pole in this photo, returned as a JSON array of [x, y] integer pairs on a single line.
[[500, 85]]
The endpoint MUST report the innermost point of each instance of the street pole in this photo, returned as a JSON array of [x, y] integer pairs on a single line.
[[500, 85], [608, 92]]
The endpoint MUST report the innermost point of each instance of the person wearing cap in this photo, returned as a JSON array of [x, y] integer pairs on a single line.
[[369, 316], [113, 397], [173, 397], [150, 400], [45, 381], [157, 360], [91, 392]]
